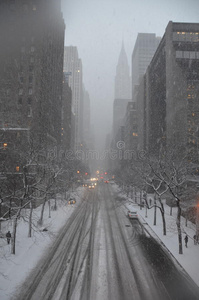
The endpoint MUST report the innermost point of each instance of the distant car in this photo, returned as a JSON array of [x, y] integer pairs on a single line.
[[91, 186], [132, 214]]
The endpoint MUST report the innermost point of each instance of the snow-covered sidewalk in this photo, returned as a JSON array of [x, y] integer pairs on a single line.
[[189, 260], [15, 268]]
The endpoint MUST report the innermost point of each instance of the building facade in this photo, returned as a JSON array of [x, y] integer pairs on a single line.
[[86, 119], [119, 111], [130, 128], [31, 68], [144, 49], [73, 66], [66, 114], [168, 93]]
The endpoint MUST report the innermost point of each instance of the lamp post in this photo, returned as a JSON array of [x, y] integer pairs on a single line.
[[1, 201], [197, 221], [145, 199]]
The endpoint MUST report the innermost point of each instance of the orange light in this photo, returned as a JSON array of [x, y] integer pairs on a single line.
[[17, 168], [78, 172], [5, 145]]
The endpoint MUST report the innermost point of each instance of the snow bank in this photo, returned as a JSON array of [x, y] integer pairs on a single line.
[[15, 268]]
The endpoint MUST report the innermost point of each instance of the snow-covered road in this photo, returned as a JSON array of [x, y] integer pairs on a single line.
[[100, 255]]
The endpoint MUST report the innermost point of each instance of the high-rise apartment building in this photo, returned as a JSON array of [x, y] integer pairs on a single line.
[[73, 66], [145, 47], [122, 78], [31, 69]]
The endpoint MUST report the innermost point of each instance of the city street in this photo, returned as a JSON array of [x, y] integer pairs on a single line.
[[101, 254]]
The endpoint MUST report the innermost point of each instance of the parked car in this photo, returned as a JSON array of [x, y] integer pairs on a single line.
[[71, 201], [132, 214]]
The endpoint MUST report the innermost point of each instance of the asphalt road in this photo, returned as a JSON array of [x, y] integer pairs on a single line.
[[101, 255]]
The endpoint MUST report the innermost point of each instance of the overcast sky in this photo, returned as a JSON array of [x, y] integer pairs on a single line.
[[97, 28]]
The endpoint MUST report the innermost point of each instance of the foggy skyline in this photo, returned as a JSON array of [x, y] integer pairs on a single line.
[[98, 28]]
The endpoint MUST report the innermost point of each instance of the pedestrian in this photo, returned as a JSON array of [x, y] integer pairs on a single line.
[[8, 235], [186, 240], [195, 239]]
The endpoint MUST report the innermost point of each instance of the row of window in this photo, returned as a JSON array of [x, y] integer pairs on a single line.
[[191, 96], [21, 91], [182, 36], [30, 79], [25, 7], [187, 54], [23, 49], [29, 101]]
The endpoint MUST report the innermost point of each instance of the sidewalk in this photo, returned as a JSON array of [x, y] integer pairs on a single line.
[[189, 260]]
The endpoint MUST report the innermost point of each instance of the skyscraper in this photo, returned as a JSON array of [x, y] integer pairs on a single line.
[[145, 47], [168, 109], [73, 66], [31, 69], [122, 78], [86, 118], [122, 91]]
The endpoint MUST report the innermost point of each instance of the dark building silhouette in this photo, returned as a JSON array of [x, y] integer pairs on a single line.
[[31, 69], [122, 77]]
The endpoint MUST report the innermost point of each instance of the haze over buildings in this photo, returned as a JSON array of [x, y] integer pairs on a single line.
[[97, 28]]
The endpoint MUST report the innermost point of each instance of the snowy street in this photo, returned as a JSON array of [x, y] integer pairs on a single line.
[[100, 254]]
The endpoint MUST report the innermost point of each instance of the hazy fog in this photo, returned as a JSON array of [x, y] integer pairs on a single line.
[[97, 28]]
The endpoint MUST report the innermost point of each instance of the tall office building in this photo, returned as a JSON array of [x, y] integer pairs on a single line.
[[31, 69], [66, 114], [119, 111], [73, 67], [122, 78], [86, 118], [145, 47], [167, 97]]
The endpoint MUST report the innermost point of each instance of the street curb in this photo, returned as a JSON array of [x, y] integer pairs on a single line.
[[153, 235]]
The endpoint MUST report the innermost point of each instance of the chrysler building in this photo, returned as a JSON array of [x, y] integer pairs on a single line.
[[122, 78]]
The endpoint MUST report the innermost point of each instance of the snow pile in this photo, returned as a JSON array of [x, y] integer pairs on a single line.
[[15, 268]]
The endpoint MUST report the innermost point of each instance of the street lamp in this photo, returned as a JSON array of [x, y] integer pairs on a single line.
[[1, 201], [197, 220]]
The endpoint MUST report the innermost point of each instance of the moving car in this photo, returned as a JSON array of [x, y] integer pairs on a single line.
[[132, 214]]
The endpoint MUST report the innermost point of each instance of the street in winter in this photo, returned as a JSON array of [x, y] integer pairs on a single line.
[[99, 253], [99, 150]]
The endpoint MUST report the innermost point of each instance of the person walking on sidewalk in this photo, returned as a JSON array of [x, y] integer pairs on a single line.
[[186, 240], [8, 235]]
